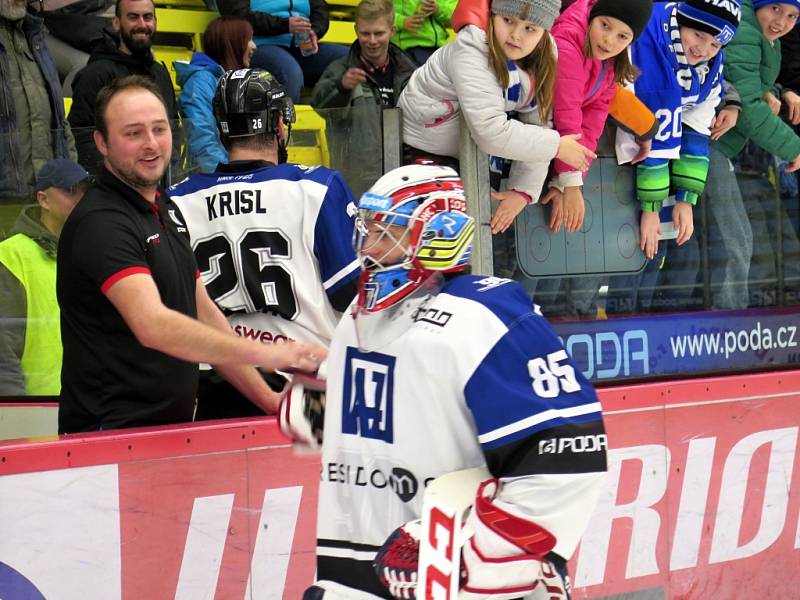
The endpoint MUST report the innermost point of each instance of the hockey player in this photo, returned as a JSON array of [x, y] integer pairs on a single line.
[[435, 371], [273, 240]]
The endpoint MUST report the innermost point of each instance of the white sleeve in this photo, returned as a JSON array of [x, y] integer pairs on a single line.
[[482, 103]]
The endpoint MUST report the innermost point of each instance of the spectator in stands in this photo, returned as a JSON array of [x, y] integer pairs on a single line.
[[369, 78], [30, 342], [302, 219], [277, 25], [130, 54], [752, 65], [135, 315], [422, 26], [680, 58], [227, 45], [479, 74], [33, 129]]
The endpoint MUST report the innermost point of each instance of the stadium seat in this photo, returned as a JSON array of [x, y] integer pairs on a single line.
[[340, 32], [191, 23], [168, 56], [309, 146]]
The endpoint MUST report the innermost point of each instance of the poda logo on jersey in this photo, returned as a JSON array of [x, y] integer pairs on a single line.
[[368, 395], [581, 443], [401, 481]]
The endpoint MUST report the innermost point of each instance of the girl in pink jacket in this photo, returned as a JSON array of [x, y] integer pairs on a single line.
[[592, 37]]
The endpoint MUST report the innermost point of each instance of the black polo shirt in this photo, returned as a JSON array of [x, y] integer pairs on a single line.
[[108, 379]]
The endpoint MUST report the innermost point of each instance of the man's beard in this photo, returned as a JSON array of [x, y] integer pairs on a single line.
[[133, 179], [138, 47], [9, 10]]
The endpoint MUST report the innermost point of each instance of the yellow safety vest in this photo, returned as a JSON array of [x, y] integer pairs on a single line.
[[36, 271]]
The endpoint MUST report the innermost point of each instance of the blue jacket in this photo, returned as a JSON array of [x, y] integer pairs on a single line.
[[12, 174], [198, 80]]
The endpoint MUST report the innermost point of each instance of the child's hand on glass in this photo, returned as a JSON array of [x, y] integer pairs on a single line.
[[644, 150], [574, 209], [773, 103], [723, 122], [793, 104], [556, 197], [511, 204], [683, 221], [572, 152], [649, 230]]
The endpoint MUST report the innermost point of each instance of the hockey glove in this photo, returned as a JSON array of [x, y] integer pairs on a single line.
[[505, 557], [301, 414], [396, 561]]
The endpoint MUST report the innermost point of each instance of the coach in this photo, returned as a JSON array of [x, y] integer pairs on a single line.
[[135, 316]]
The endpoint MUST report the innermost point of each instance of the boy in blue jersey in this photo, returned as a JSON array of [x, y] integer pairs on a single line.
[[680, 58], [273, 241], [436, 371]]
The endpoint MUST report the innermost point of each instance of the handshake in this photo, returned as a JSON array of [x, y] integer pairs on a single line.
[[301, 414]]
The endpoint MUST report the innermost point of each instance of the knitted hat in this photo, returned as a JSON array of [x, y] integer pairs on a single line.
[[762, 3], [634, 13], [720, 18], [540, 12]]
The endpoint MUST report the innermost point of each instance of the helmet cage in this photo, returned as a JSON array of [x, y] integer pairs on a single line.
[[436, 236]]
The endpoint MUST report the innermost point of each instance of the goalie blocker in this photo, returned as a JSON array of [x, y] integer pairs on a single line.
[[455, 553]]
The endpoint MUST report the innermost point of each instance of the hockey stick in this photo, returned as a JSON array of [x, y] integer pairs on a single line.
[[447, 499]]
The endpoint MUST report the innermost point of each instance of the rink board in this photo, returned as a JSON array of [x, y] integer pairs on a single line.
[[702, 502]]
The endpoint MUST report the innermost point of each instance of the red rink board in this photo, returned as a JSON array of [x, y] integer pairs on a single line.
[[702, 502]]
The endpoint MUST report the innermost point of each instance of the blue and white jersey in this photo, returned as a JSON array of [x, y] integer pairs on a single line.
[[274, 246], [676, 92], [475, 377]]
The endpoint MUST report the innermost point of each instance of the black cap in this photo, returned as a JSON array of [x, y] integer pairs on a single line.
[[634, 13], [61, 173]]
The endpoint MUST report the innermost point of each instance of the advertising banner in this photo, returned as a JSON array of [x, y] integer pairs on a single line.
[[705, 342], [702, 501]]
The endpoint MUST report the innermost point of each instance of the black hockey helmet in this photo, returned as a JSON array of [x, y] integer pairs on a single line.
[[250, 102]]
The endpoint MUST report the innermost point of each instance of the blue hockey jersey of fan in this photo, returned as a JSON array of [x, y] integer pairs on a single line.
[[474, 376], [676, 92], [274, 246]]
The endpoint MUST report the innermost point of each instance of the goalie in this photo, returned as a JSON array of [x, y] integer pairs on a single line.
[[437, 371]]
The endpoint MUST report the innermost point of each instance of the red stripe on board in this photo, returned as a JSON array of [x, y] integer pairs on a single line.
[[708, 389]]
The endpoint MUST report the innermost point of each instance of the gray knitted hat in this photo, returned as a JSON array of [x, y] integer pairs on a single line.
[[541, 12]]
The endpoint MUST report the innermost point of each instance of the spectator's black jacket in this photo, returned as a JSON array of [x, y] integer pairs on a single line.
[[106, 64], [265, 24], [789, 76]]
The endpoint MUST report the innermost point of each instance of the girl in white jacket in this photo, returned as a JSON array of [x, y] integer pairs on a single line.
[[510, 67]]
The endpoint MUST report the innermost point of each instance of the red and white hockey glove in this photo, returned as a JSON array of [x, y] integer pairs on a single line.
[[396, 561], [505, 557], [301, 414]]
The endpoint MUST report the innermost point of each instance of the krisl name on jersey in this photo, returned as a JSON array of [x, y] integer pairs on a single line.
[[234, 202]]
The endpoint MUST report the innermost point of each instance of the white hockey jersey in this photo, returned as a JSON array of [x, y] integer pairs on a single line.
[[477, 377], [274, 246]]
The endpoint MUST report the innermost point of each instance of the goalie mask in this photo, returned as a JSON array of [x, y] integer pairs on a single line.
[[251, 102], [411, 224]]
